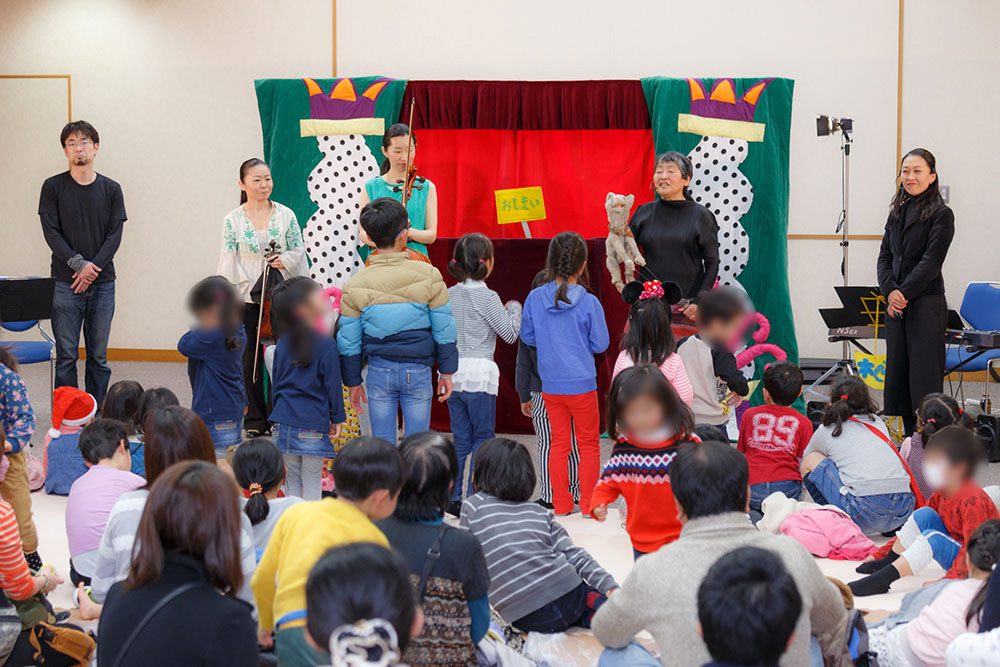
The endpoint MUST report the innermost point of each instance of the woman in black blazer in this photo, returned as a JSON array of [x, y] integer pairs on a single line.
[[178, 605], [914, 246]]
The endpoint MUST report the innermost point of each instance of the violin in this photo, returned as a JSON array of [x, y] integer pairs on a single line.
[[412, 181], [264, 316]]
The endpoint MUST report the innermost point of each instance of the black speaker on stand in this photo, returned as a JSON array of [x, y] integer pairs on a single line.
[[988, 430]]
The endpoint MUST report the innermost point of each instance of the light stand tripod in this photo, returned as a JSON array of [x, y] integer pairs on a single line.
[[826, 125]]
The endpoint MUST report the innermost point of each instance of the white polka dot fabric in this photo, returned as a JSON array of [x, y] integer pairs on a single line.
[[722, 188], [335, 186]]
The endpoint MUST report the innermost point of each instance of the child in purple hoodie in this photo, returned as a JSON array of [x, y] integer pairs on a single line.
[[566, 324]]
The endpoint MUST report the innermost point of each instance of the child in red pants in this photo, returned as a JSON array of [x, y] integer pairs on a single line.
[[565, 323]]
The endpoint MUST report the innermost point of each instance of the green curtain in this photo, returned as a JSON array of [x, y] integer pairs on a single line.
[[282, 103], [765, 277]]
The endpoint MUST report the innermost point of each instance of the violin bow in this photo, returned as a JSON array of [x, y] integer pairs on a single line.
[[260, 315], [409, 158]]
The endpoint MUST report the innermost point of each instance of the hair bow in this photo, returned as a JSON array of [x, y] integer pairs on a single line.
[[652, 289]]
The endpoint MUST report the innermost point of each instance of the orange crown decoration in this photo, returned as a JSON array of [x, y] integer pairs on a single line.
[[720, 113], [343, 111]]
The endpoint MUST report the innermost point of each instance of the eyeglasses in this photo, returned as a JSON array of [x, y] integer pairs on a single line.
[[83, 144]]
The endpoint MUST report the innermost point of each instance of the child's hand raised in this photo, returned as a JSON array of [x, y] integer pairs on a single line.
[[599, 512]]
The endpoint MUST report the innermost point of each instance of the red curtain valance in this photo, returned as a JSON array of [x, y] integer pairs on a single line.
[[526, 105]]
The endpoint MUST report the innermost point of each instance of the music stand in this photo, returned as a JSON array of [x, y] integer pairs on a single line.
[[861, 316], [24, 299]]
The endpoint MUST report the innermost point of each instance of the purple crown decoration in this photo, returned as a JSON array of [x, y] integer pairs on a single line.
[[720, 113], [342, 111]]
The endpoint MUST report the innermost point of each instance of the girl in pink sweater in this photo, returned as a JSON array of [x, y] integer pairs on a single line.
[[649, 338]]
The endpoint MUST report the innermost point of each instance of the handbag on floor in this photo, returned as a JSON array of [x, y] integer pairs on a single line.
[[857, 640], [60, 645]]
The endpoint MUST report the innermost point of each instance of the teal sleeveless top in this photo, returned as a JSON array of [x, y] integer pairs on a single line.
[[416, 206]]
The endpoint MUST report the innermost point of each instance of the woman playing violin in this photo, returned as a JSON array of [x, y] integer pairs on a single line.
[[399, 146]]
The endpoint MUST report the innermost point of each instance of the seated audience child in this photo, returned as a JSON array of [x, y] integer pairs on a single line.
[[566, 324], [649, 422], [104, 447], [982, 648], [360, 606], [121, 403], [649, 338], [953, 612], [936, 411], [178, 605], [529, 391], [748, 606], [260, 471], [151, 399], [172, 434], [773, 437], [718, 384], [72, 409], [447, 568], [395, 315], [480, 317], [539, 580], [17, 424], [851, 463], [939, 530], [368, 472], [214, 348], [308, 394]]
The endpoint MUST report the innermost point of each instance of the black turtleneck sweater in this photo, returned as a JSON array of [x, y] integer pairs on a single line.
[[680, 241]]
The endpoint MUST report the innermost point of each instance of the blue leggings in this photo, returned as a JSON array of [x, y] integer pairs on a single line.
[[944, 549]]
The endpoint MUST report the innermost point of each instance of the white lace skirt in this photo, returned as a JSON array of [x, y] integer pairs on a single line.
[[476, 374]]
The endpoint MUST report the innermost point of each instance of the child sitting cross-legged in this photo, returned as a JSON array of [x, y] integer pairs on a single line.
[[936, 411], [719, 386], [941, 529], [773, 437], [260, 471], [650, 422], [369, 472], [104, 445], [539, 580], [72, 409]]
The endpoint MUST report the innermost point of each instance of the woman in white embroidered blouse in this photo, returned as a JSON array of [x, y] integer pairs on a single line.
[[247, 232]]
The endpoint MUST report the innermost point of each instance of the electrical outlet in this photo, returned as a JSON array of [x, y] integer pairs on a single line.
[[946, 193]]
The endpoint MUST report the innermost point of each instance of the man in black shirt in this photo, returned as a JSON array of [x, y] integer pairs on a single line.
[[82, 214]]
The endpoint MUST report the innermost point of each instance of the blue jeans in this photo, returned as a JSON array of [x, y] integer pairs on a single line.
[[944, 549], [790, 487], [473, 422], [633, 655], [303, 451], [92, 311], [395, 384], [574, 609], [878, 513], [224, 435]]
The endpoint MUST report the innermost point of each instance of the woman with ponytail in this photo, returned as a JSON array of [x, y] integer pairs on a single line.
[[214, 348], [247, 233], [260, 471], [917, 236], [399, 146], [566, 324], [678, 237], [480, 316], [936, 411], [954, 611], [850, 462]]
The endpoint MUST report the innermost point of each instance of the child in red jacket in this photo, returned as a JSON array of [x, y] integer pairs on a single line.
[[942, 528], [649, 421]]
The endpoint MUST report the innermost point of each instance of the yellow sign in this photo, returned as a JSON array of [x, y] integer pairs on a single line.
[[520, 205], [871, 368]]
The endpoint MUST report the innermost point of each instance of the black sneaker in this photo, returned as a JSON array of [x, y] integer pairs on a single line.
[[546, 505], [455, 508]]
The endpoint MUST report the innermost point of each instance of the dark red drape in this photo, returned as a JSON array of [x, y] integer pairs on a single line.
[[526, 105], [517, 262]]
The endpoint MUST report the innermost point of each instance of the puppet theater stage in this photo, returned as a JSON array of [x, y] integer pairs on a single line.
[[577, 140]]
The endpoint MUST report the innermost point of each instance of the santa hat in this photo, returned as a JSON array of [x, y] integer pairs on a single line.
[[71, 407]]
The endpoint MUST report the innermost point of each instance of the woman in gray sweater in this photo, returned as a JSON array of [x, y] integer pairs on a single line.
[[850, 462]]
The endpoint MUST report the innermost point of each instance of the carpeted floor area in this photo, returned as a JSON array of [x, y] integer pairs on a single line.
[[607, 541]]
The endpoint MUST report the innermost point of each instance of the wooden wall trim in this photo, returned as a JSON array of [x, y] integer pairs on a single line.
[[833, 237], [139, 354]]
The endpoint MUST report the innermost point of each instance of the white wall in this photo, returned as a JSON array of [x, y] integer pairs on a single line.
[[170, 87]]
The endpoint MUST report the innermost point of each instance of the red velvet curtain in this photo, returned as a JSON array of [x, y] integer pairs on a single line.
[[526, 105]]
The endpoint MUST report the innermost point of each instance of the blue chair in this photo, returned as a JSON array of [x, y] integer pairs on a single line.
[[981, 309], [33, 351]]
